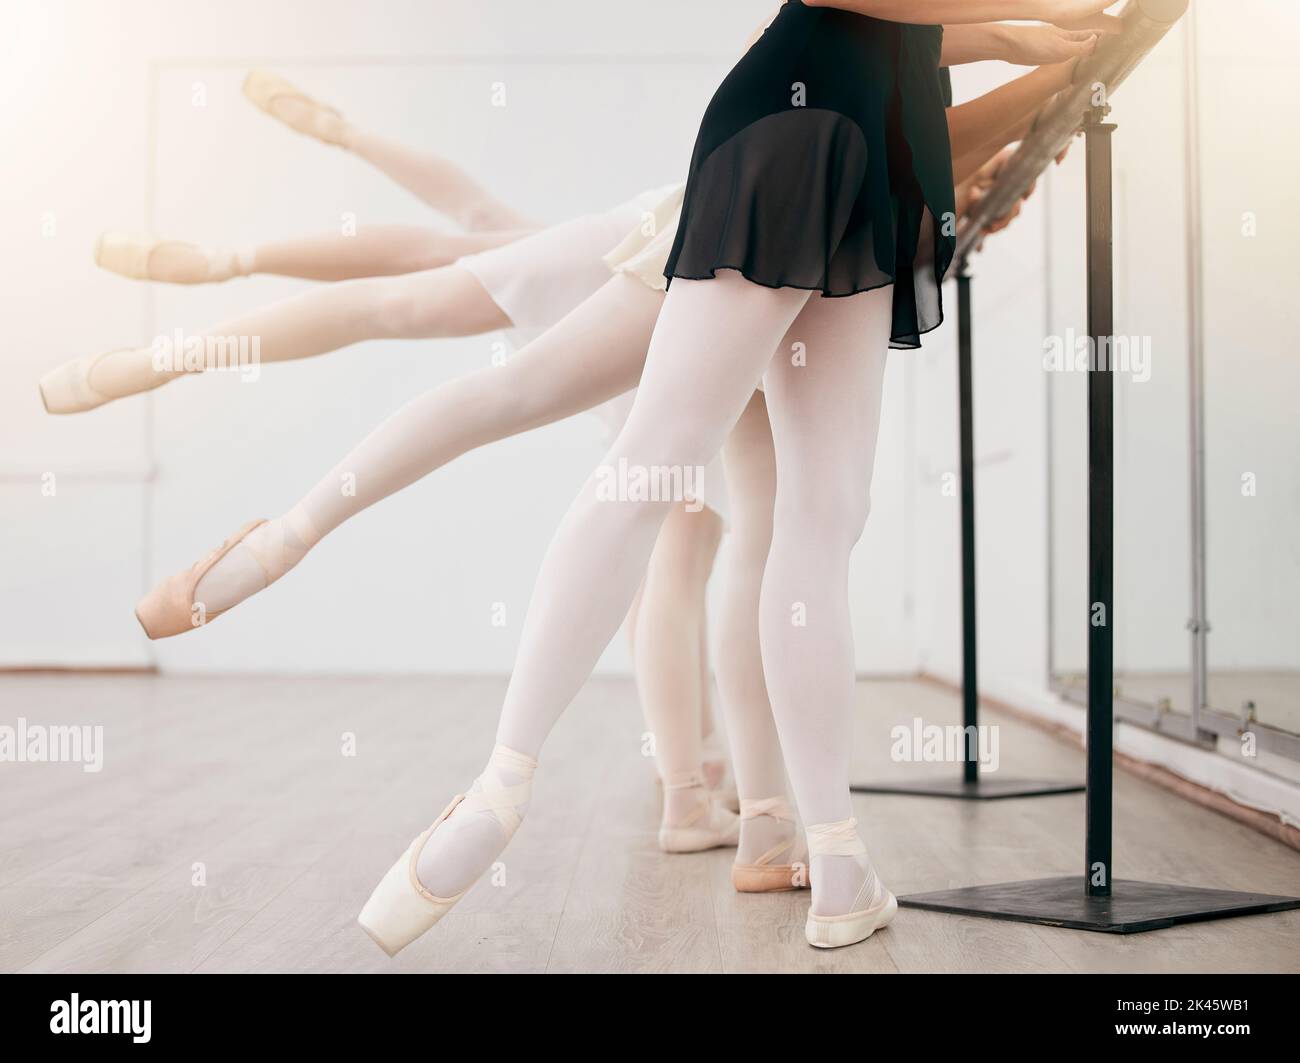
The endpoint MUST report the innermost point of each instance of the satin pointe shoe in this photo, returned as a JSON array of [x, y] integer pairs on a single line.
[[873, 908], [782, 867], [170, 609]]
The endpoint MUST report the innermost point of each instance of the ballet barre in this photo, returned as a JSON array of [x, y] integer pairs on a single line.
[[1095, 901], [1086, 100]]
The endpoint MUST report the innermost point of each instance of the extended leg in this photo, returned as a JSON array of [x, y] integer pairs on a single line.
[[371, 251], [442, 302], [437, 181], [591, 355], [375, 251]]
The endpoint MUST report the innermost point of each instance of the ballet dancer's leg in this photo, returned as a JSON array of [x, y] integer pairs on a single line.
[[436, 181], [716, 777], [713, 768], [708, 725], [477, 294], [825, 416], [442, 302], [767, 828], [375, 251], [711, 344], [372, 251], [592, 354], [667, 645]]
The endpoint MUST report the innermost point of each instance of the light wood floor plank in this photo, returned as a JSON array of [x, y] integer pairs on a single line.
[[254, 781]]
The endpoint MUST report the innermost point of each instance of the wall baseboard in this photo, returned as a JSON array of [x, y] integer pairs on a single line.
[[78, 669], [1056, 717]]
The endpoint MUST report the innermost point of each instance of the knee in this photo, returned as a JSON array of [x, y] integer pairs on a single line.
[[494, 403], [750, 536], [832, 514], [394, 310], [683, 449], [684, 552]]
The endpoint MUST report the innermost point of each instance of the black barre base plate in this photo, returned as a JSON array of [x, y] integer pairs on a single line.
[[984, 790], [1132, 908]]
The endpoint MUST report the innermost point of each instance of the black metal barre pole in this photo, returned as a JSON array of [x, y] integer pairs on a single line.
[[970, 786], [1145, 22], [1102, 904], [969, 678], [1101, 508]]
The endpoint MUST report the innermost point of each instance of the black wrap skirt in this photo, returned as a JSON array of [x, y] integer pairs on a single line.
[[823, 163]]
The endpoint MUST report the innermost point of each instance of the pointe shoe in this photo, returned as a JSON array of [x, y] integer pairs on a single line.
[[130, 255], [836, 931], [708, 826], [322, 122], [765, 875], [67, 389], [169, 609], [400, 909]]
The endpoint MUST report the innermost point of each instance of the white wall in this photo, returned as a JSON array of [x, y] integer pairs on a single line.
[[1252, 369], [603, 100], [100, 131], [1030, 283], [1152, 455]]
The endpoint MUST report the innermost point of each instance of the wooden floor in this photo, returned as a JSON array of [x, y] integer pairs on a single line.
[[229, 832]]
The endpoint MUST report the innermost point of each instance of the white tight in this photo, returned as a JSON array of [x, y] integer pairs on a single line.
[[825, 420], [436, 181], [594, 353], [667, 628], [373, 251], [750, 465], [713, 341], [436, 303], [757, 759]]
